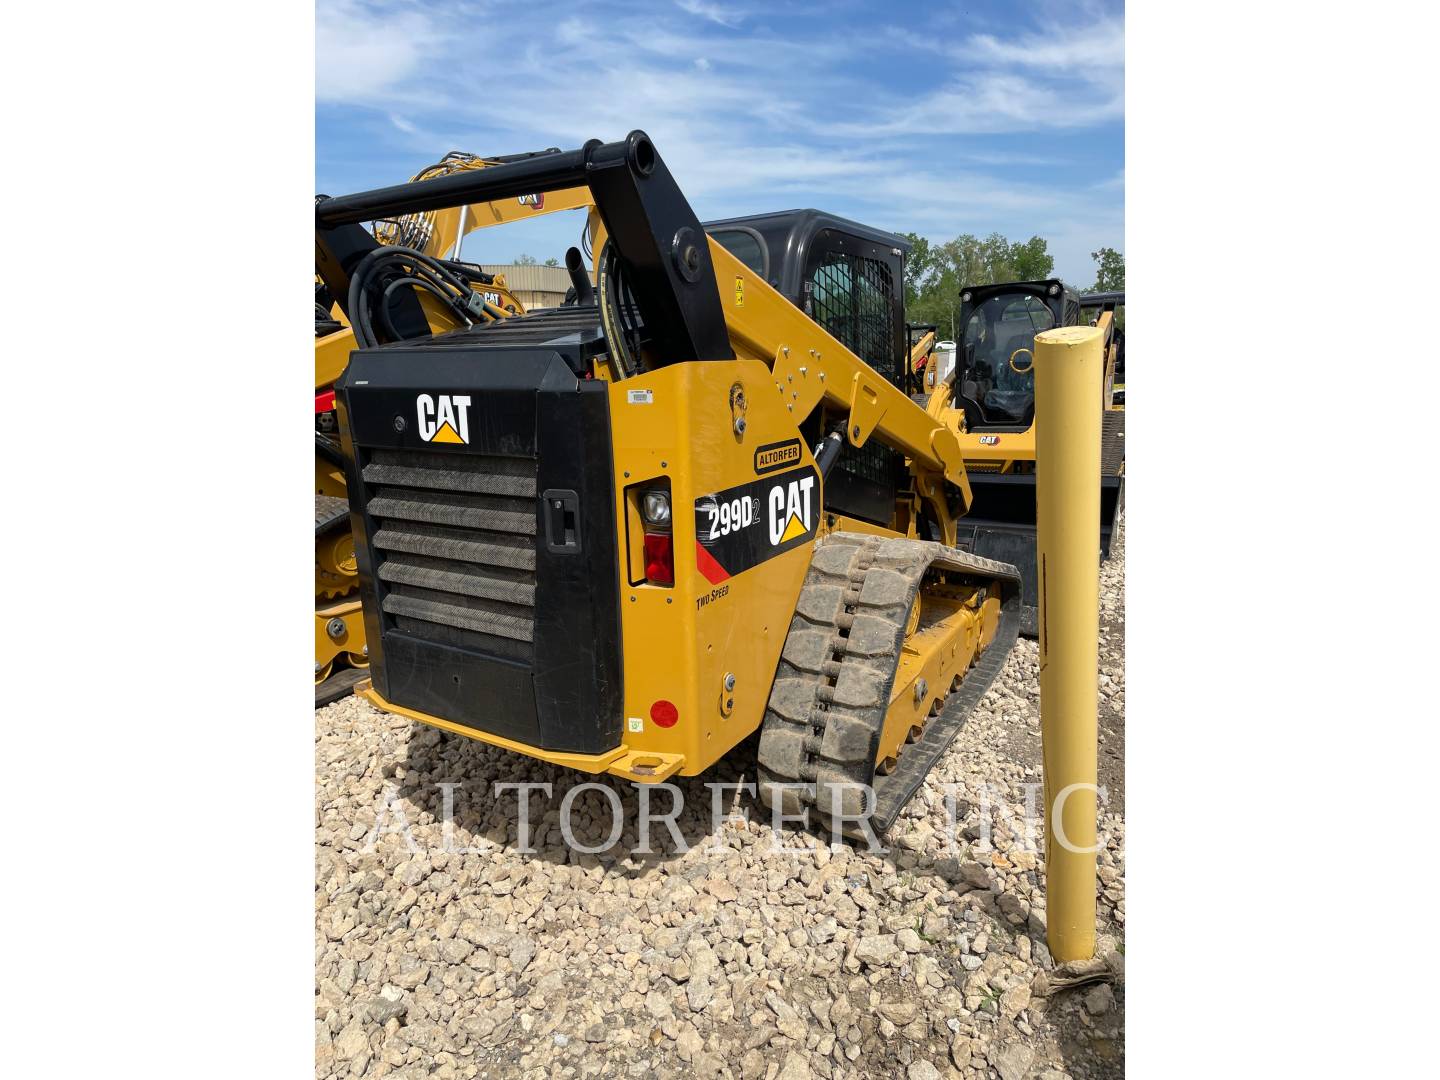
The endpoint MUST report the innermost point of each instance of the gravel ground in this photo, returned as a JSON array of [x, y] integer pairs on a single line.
[[770, 956]]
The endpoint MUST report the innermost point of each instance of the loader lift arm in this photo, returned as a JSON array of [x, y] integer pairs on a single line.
[[649, 221], [809, 366], [673, 271]]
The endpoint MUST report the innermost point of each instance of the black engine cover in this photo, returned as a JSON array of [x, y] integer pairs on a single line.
[[482, 502]]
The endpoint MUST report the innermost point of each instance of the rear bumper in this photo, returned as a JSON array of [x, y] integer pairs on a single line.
[[643, 767]]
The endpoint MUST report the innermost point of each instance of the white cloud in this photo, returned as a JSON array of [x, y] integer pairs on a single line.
[[749, 121], [361, 52], [1098, 51], [725, 16], [987, 103]]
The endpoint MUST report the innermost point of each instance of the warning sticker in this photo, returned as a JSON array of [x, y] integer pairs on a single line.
[[640, 397], [746, 525], [739, 292]]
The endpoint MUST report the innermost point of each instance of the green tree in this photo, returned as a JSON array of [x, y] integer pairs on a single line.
[[927, 278], [552, 261], [935, 274], [1109, 270], [1030, 261], [524, 260], [919, 267]]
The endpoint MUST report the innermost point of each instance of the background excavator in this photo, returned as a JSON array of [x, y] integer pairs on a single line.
[[626, 534]]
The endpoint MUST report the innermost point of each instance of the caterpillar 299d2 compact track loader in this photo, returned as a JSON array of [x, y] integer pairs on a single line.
[[611, 535]]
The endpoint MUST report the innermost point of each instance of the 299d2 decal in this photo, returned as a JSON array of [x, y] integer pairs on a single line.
[[746, 525]]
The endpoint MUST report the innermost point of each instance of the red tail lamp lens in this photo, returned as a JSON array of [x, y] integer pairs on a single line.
[[659, 561], [664, 714]]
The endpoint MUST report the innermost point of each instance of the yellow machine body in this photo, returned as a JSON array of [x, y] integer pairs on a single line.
[[685, 643], [682, 641], [339, 635]]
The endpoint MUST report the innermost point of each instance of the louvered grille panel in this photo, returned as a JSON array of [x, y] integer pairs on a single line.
[[455, 542], [475, 473]]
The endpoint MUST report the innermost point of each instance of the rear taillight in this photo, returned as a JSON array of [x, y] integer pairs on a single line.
[[659, 551], [659, 559]]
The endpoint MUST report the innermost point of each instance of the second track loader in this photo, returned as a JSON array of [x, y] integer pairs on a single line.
[[991, 396]]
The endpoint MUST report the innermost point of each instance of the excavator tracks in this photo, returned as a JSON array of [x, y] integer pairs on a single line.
[[335, 572], [339, 634], [828, 704]]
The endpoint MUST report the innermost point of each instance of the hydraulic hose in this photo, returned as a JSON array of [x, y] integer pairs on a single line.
[[418, 269], [418, 282], [613, 324]]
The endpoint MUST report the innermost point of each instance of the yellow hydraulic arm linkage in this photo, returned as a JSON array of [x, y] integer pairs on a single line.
[[809, 366]]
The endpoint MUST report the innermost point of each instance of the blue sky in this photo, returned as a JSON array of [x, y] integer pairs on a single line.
[[935, 118]]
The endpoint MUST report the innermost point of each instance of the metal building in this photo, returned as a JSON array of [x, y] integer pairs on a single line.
[[534, 285]]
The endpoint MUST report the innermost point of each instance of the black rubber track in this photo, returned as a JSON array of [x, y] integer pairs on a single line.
[[1112, 442], [330, 514], [915, 762], [339, 685], [821, 731]]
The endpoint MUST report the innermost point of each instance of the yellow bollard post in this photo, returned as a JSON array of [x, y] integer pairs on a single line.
[[1069, 373]]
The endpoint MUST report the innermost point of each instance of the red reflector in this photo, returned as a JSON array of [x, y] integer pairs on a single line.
[[664, 714], [325, 402], [659, 560]]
